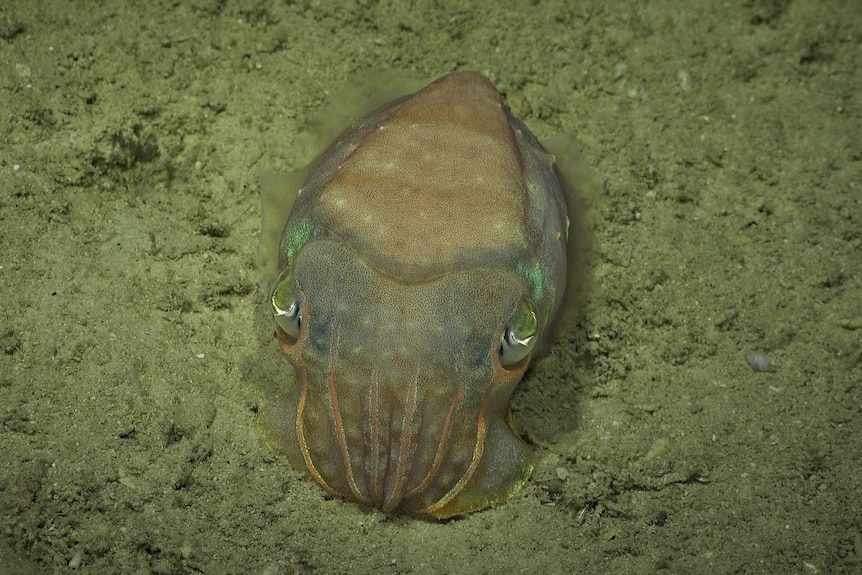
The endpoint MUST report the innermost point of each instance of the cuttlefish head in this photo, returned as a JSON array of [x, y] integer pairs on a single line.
[[403, 389], [421, 266]]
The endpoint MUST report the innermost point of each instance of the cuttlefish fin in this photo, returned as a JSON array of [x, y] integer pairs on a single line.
[[278, 192], [358, 98], [582, 187]]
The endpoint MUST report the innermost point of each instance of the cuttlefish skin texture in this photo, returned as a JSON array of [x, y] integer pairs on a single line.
[[425, 236]]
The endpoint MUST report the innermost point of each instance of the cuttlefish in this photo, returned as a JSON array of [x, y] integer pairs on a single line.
[[420, 269]]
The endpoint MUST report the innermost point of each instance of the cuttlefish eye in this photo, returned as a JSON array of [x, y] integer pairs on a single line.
[[290, 319], [286, 307], [519, 336]]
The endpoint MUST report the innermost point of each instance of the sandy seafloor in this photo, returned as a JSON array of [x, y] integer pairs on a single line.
[[136, 346]]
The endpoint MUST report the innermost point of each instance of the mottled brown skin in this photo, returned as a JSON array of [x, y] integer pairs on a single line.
[[412, 245]]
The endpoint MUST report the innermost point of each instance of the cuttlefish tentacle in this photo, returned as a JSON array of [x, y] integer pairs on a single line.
[[405, 442], [376, 482], [303, 443], [444, 442], [336, 417]]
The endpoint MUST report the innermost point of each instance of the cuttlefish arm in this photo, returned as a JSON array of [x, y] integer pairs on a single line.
[[423, 262]]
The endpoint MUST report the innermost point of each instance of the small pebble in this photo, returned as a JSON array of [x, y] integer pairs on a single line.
[[684, 79], [758, 361]]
